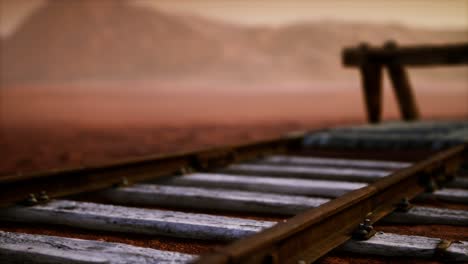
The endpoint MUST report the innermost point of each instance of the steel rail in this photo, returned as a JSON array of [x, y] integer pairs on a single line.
[[56, 183], [310, 235]]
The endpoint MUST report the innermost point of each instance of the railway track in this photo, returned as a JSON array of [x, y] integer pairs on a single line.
[[392, 190]]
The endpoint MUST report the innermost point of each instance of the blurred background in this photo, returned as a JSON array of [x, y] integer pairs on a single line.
[[84, 82]]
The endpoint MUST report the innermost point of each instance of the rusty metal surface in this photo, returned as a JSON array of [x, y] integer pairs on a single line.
[[308, 236]]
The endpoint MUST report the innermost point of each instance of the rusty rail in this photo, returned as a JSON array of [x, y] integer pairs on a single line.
[[56, 183], [371, 62], [310, 235]]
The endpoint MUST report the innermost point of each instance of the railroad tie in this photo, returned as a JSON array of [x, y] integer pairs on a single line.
[[393, 135], [447, 195], [241, 201], [292, 186], [135, 220], [211, 199], [28, 248], [308, 172], [332, 162], [394, 245], [422, 215]]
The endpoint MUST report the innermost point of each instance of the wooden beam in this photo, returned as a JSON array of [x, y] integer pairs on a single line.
[[401, 86], [422, 55], [212, 199]]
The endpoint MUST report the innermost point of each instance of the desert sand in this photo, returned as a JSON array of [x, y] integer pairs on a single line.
[[47, 127]]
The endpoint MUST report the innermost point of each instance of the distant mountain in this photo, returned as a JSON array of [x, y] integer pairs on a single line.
[[66, 41]]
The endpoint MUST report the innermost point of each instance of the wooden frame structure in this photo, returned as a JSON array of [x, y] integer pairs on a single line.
[[371, 62]]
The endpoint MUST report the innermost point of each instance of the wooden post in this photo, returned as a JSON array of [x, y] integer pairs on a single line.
[[402, 87], [371, 76], [371, 60]]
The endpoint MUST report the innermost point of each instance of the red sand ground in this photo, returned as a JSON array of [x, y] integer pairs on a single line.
[[44, 128]]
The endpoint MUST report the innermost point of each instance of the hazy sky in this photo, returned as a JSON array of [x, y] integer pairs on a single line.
[[425, 13], [421, 13]]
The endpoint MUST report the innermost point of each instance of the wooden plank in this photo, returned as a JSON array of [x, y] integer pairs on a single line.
[[322, 173], [211, 199], [421, 55], [335, 162], [458, 251], [393, 245], [452, 195], [28, 248], [447, 195], [292, 186], [135, 220], [429, 215]]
